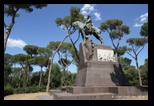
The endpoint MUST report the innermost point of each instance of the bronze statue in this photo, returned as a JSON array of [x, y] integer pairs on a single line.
[[88, 28]]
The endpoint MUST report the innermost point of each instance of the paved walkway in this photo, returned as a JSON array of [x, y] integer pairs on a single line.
[[45, 97]]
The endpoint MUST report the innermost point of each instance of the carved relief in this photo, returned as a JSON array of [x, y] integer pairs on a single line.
[[105, 55]]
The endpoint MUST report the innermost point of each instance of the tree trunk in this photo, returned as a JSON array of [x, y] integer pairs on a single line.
[[50, 70], [26, 76], [9, 28], [19, 79], [6, 36], [49, 75], [40, 77], [27, 79], [139, 75]]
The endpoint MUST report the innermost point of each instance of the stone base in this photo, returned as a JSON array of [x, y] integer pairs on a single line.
[[100, 93], [92, 89], [94, 73], [94, 96]]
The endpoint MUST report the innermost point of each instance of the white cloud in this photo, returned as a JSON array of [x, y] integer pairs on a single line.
[[144, 15], [97, 15], [15, 43], [137, 25], [143, 18], [89, 9]]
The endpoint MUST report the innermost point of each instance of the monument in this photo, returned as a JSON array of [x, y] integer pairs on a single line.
[[98, 66], [99, 74]]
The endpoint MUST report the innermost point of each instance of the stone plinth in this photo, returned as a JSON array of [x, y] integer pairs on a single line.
[[100, 93], [97, 68]]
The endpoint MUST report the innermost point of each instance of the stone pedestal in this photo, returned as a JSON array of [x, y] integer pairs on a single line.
[[99, 76], [98, 66]]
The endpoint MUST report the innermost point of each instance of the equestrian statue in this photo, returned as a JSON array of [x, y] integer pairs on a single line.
[[88, 28]]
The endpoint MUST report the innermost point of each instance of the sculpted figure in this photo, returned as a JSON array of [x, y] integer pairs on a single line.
[[88, 28]]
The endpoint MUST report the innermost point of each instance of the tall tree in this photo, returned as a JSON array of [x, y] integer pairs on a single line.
[[56, 76], [20, 59], [35, 78], [124, 61], [46, 53], [144, 72], [42, 61], [66, 23], [131, 74], [31, 50], [15, 76], [137, 45], [8, 62], [64, 52], [42, 51], [12, 11], [116, 31], [144, 30]]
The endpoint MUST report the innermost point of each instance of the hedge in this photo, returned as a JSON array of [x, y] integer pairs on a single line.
[[29, 90], [9, 91]]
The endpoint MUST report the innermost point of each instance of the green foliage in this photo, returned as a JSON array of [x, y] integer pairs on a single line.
[[11, 9], [44, 52], [67, 21], [75, 14], [29, 89], [64, 62], [39, 60], [8, 90], [144, 30], [20, 58], [31, 49], [132, 75], [7, 72], [114, 28], [8, 58], [34, 78], [124, 61], [68, 78], [56, 76], [116, 31], [137, 41], [144, 72], [66, 50], [121, 50], [8, 62]]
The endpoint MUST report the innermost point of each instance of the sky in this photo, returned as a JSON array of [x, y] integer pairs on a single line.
[[39, 28]]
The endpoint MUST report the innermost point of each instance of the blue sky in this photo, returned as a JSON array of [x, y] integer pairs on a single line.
[[39, 27]]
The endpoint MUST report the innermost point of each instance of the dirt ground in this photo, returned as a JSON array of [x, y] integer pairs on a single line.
[[34, 96], [26, 96]]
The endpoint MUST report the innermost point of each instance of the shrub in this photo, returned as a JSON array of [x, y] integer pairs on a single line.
[[30, 89], [8, 90]]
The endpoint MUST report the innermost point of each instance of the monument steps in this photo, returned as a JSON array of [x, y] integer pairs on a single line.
[[85, 96]]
